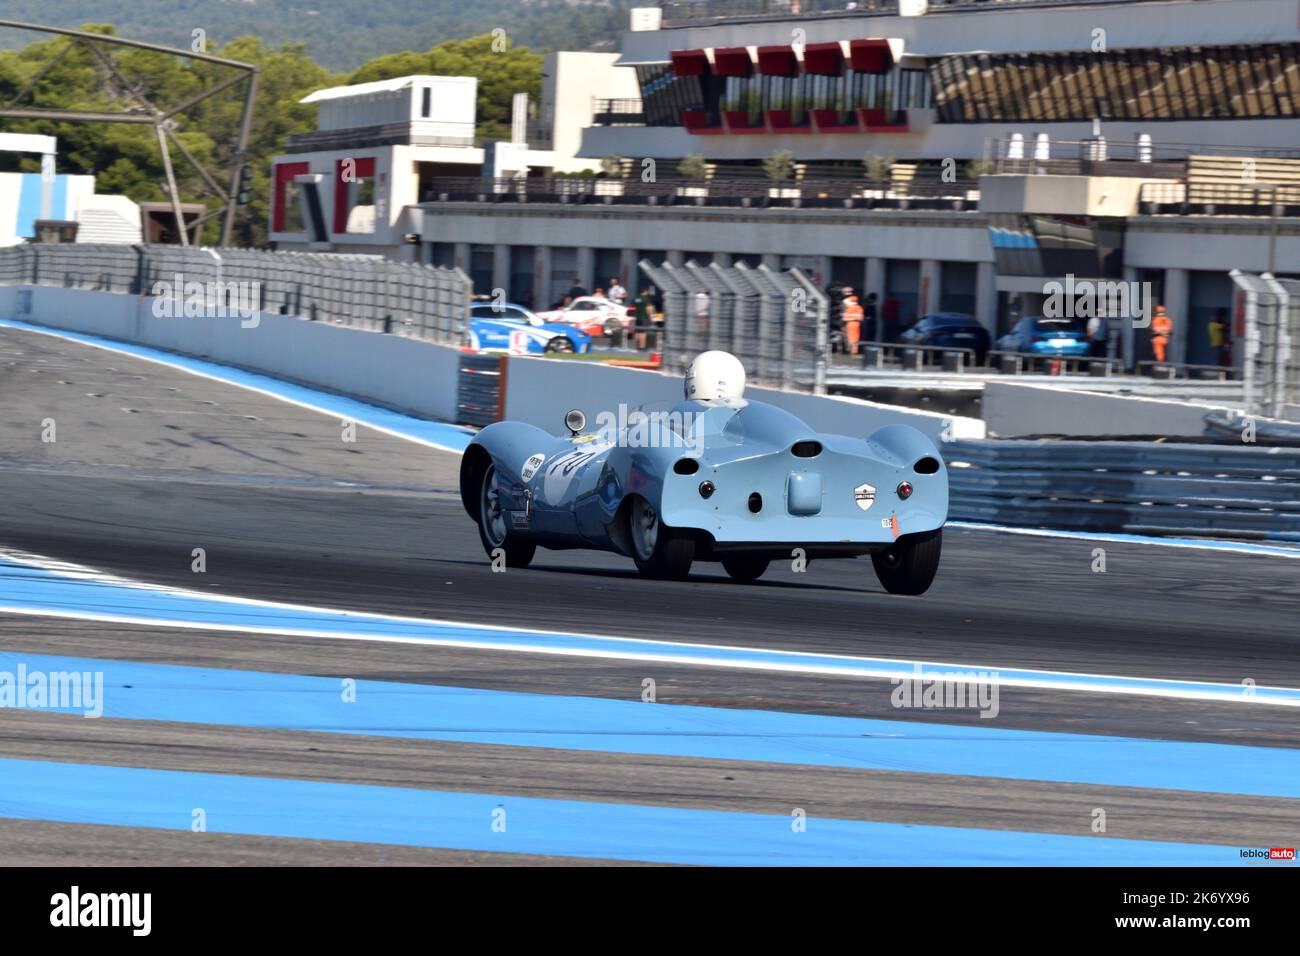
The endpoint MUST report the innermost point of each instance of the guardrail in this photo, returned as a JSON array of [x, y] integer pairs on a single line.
[[1211, 199], [617, 112], [678, 13], [1234, 491], [1015, 363], [913, 358], [673, 191], [1173, 370], [370, 292]]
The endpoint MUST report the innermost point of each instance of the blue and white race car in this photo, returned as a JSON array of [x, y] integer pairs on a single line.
[[711, 478], [507, 327]]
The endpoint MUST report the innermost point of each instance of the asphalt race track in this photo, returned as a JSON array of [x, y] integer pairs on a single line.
[[550, 753]]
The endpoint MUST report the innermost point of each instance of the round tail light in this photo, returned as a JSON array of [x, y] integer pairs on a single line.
[[905, 490]]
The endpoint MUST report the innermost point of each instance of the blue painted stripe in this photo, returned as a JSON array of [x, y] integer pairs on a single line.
[[440, 434], [468, 715], [29, 202], [260, 806], [28, 589]]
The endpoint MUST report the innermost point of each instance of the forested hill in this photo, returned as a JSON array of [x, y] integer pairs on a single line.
[[339, 34]]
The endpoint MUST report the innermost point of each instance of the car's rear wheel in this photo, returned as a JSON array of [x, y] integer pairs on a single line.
[[909, 565], [613, 328], [658, 550], [745, 568], [494, 525], [560, 343]]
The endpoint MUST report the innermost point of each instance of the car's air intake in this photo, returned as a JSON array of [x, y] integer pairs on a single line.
[[806, 449]]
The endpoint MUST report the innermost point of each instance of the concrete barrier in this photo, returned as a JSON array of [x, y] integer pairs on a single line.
[[541, 390], [403, 373], [418, 376], [1013, 410]]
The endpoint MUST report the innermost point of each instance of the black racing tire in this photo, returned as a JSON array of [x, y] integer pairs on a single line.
[[658, 550], [909, 565], [494, 529], [745, 568], [560, 343]]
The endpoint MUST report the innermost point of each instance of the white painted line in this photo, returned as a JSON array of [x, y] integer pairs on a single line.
[[333, 624]]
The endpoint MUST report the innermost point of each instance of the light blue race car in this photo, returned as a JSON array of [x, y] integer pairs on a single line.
[[507, 327], [712, 478]]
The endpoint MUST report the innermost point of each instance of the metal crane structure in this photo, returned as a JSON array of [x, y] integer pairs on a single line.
[[162, 118]]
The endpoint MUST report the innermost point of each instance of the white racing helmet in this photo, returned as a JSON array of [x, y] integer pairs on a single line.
[[715, 375]]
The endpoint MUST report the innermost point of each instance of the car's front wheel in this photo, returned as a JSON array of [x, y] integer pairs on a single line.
[[560, 343], [658, 550], [745, 568], [494, 526], [909, 565]]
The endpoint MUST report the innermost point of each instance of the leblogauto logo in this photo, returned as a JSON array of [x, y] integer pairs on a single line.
[[1286, 853]]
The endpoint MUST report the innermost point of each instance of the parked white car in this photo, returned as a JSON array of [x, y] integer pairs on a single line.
[[595, 316]]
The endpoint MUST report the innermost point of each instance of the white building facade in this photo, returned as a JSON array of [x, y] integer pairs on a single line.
[[955, 156]]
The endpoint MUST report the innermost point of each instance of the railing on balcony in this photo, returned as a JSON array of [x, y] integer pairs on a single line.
[[845, 193], [1219, 199], [1119, 157], [678, 13], [624, 112]]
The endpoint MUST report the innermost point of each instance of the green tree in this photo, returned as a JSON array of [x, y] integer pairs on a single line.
[[693, 166], [500, 75], [779, 165]]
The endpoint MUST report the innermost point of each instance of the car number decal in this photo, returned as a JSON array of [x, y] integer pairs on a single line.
[[565, 469], [531, 465]]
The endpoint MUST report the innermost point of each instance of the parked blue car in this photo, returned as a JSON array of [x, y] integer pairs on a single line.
[[949, 330], [509, 327], [1039, 336]]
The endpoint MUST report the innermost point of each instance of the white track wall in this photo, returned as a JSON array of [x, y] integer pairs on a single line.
[[420, 376], [390, 370]]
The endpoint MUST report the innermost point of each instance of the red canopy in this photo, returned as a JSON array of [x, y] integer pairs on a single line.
[[824, 59], [777, 61], [871, 56], [732, 61], [690, 62]]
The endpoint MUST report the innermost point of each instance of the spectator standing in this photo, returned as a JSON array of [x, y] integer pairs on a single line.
[[643, 318], [869, 317], [576, 291], [890, 313], [1162, 327], [853, 315], [702, 313], [617, 294], [1218, 332], [1098, 329]]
